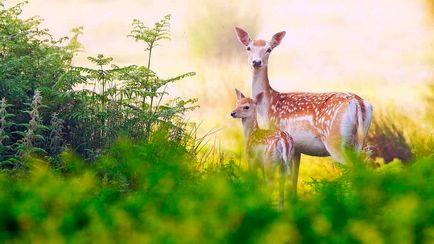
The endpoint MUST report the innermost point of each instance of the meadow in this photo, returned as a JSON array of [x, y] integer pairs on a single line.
[[97, 149]]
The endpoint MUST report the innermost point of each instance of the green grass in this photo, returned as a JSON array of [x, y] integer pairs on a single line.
[[152, 192]]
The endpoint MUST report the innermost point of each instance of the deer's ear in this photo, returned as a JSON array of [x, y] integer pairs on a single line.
[[259, 97], [243, 36], [239, 94], [277, 38]]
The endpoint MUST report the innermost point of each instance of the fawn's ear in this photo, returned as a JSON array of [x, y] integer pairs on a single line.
[[277, 38], [239, 94], [259, 97], [243, 36]]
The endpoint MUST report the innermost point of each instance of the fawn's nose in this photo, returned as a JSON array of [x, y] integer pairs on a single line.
[[233, 114], [257, 63]]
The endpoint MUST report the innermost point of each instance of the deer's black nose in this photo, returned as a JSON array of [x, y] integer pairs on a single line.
[[257, 63], [233, 114]]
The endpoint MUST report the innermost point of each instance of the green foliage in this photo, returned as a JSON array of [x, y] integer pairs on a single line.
[[74, 46], [56, 134], [151, 36], [5, 125], [114, 100], [12, 153], [390, 204], [27, 145], [31, 62], [30, 58], [125, 100], [150, 192]]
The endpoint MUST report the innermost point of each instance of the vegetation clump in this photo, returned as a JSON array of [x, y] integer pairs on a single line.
[[112, 101]]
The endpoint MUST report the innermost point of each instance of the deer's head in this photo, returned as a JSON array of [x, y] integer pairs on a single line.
[[258, 50], [246, 107]]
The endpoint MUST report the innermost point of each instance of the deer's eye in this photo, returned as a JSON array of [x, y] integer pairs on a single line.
[[269, 50], [248, 48], [246, 107]]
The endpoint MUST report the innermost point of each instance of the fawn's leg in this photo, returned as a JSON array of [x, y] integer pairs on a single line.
[[282, 184], [294, 171]]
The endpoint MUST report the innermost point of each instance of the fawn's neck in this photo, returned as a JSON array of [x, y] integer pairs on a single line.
[[260, 82], [250, 125]]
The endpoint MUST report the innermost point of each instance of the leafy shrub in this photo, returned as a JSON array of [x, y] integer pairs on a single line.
[[5, 145], [31, 138], [31, 62], [150, 192], [114, 100], [30, 59], [124, 100], [33, 129]]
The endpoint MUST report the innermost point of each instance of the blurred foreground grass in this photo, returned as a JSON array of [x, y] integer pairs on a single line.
[[151, 192]]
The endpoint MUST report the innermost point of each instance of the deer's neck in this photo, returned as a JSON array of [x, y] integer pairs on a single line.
[[250, 125], [260, 82]]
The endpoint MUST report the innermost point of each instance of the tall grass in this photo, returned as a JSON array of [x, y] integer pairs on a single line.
[[388, 141]]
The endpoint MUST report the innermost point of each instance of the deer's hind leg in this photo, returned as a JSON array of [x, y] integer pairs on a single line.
[[343, 132]]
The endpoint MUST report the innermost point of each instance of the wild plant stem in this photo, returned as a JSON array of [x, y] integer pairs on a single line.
[[148, 124], [147, 74]]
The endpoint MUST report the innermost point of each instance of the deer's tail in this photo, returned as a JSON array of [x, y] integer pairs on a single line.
[[364, 117]]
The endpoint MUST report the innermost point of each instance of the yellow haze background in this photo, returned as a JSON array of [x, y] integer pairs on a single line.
[[379, 49]]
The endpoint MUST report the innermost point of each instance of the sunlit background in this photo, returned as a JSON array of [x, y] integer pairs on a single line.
[[382, 50]]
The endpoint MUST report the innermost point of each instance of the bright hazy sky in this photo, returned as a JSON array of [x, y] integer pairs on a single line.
[[388, 40], [382, 50]]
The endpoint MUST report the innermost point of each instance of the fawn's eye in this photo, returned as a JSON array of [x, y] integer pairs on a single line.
[[269, 50], [246, 107], [248, 48]]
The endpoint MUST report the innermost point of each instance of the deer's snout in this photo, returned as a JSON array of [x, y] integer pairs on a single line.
[[233, 114], [257, 63]]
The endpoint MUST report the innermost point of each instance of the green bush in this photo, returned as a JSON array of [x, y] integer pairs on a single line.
[[30, 58], [113, 101], [151, 192]]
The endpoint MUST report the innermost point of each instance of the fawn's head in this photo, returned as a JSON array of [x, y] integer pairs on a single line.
[[246, 107], [258, 50]]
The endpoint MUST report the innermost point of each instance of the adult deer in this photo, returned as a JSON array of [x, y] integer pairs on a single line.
[[321, 124], [269, 148]]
